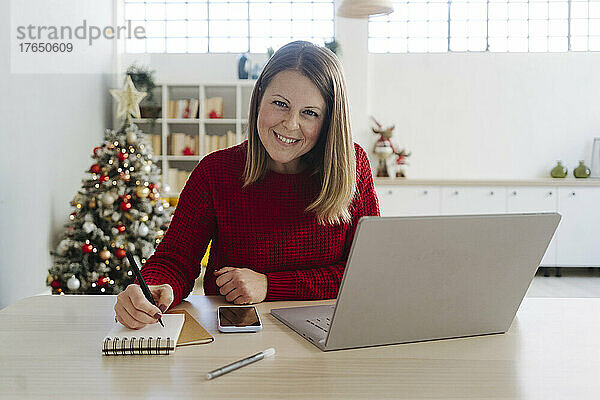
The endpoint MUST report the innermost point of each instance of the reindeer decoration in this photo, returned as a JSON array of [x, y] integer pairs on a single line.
[[384, 148]]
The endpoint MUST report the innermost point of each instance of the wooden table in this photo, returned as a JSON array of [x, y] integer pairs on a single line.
[[50, 349]]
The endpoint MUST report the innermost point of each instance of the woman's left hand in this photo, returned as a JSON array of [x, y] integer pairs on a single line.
[[241, 285]]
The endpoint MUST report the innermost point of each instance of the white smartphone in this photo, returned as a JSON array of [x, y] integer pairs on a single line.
[[238, 319]]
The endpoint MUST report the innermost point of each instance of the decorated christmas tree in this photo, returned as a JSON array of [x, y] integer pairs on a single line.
[[118, 208]]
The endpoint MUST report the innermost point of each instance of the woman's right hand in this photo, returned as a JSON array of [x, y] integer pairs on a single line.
[[133, 310]]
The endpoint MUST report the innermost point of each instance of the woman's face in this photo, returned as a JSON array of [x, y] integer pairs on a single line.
[[290, 117]]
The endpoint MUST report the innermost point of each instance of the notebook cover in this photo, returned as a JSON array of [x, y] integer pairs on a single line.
[[192, 332]]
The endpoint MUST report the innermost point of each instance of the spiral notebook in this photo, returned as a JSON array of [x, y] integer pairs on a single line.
[[151, 339], [180, 329]]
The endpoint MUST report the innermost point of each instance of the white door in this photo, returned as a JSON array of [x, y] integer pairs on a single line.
[[395, 201], [579, 230], [522, 199], [473, 200]]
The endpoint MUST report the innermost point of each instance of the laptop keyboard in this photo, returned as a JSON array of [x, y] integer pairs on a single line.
[[322, 322]]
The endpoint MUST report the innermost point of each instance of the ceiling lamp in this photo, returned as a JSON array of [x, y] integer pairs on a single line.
[[364, 8]]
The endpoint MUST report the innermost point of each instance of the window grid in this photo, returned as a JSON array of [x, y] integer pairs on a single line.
[[488, 25], [209, 26]]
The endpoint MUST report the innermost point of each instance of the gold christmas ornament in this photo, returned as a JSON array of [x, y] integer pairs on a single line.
[[105, 254], [129, 99], [142, 192], [92, 203]]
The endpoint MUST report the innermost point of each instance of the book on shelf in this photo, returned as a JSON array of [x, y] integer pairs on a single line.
[[183, 108], [213, 107], [231, 139], [194, 105], [179, 142], [212, 143], [177, 178], [156, 145]]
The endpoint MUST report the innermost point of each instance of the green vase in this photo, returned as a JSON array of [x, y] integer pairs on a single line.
[[581, 171], [560, 171]]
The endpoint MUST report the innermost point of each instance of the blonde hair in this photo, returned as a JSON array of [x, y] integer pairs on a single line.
[[332, 159]]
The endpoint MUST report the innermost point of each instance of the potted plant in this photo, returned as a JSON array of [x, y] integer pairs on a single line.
[[334, 46], [143, 79]]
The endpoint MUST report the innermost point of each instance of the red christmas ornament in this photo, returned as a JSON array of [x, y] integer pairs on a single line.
[[102, 281], [55, 284], [95, 169], [121, 228], [104, 178], [96, 150], [125, 205], [120, 253], [123, 156], [126, 197], [151, 186], [87, 248]]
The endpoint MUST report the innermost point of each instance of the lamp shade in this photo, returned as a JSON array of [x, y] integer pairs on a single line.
[[364, 8]]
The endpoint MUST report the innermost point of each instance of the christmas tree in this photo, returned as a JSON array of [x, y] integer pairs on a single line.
[[118, 208]]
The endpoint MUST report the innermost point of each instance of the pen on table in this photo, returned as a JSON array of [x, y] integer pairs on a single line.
[[140, 278], [240, 363]]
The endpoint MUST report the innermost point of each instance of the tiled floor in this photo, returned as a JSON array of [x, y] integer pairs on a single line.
[[574, 282]]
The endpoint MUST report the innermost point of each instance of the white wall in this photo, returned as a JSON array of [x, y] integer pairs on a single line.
[[495, 115], [463, 116], [50, 124]]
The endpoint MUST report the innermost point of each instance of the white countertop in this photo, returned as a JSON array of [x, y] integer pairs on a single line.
[[570, 181]]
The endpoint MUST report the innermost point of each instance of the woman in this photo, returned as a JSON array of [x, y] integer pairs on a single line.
[[280, 208]]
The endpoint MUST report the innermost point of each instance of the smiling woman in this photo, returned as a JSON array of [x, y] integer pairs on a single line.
[[287, 128], [280, 208]]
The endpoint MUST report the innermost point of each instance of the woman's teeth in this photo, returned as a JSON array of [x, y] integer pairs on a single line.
[[284, 139]]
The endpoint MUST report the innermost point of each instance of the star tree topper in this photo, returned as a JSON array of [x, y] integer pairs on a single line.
[[129, 99]]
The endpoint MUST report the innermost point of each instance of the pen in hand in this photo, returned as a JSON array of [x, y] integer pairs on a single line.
[[143, 285]]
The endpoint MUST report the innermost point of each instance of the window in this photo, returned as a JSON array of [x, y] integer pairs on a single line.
[[213, 26], [420, 26]]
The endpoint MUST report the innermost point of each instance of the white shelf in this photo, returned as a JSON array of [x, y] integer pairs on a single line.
[[183, 120], [190, 120], [236, 96], [195, 158], [220, 120], [146, 120]]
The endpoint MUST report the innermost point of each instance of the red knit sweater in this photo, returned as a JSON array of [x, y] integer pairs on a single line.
[[263, 227]]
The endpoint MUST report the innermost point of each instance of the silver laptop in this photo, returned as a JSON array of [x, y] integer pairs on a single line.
[[411, 279]]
